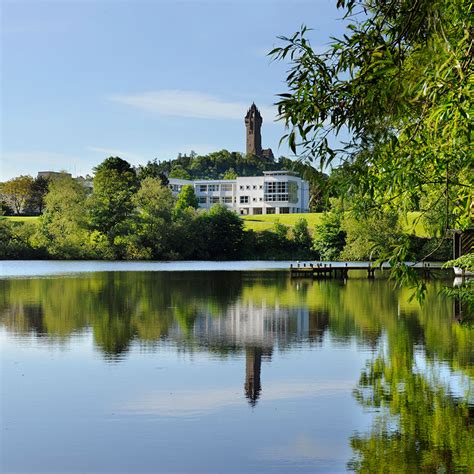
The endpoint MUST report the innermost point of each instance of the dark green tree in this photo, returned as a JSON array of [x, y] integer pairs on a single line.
[[154, 203], [111, 207], [329, 237], [152, 170], [179, 172], [39, 189], [301, 236], [223, 233]]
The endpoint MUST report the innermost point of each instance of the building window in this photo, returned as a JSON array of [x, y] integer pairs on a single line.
[[257, 210], [248, 186], [261, 186], [202, 188], [202, 200], [276, 187], [284, 210], [215, 199], [260, 199], [254, 199], [254, 186], [213, 187], [270, 210], [276, 197], [227, 199], [244, 199], [241, 188], [226, 187]]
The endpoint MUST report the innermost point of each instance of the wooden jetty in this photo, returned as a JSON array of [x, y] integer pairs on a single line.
[[340, 270]]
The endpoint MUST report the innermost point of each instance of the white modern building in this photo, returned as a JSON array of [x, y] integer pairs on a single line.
[[276, 192]]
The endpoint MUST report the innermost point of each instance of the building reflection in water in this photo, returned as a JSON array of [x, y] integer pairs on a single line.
[[257, 329]]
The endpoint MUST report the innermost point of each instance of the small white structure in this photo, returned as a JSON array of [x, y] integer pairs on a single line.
[[276, 192]]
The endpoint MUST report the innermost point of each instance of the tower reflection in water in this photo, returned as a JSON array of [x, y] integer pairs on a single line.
[[258, 329]]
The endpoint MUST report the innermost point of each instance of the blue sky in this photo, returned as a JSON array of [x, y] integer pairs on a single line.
[[83, 80]]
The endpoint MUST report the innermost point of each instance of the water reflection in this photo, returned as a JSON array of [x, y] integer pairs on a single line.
[[418, 380]]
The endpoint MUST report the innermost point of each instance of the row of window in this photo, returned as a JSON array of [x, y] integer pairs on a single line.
[[276, 197], [216, 200], [269, 210], [204, 188], [242, 199], [248, 186], [276, 187], [246, 199]]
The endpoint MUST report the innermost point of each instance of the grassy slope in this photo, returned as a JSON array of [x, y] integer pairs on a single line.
[[266, 222]]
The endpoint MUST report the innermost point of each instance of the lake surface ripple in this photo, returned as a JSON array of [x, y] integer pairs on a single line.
[[231, 371]]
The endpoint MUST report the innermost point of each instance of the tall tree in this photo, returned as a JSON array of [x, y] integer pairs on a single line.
[[154, 204], [111, 205], [17, 191], [63, 230], [39, 189]]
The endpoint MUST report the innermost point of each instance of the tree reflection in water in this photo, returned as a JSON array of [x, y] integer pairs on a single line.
[[422, 425]]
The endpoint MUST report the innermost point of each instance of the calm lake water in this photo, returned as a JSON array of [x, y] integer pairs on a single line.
[[229, 371]]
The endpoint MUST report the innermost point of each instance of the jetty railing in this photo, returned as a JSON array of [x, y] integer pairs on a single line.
[[341, 269]]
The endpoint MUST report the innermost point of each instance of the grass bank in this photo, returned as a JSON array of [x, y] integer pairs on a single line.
[[267, 221]]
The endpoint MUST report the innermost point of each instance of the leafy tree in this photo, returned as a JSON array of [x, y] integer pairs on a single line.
[[39, 189], [16, 241], [397, 90], [5, 209], [186, 198], [230, 174], [301, 235], [281, 230], [329, 237], [62, 229], [154, 204], [179, 172], [152, 170], [222, 232], [367, 237], [111, 207], [17, 191]]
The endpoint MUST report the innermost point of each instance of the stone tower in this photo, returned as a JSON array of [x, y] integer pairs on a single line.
[[253, 124]]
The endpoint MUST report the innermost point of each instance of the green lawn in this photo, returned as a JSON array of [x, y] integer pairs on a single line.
[[267, 221], [21, 218]]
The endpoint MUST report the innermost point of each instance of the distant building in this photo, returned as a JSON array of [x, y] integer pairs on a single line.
[[253, 125], [276, 192]]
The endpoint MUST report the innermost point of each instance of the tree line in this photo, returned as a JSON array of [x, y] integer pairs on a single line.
[[133, 215]]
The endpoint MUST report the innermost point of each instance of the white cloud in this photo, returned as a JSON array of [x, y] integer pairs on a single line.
[[181, 103]]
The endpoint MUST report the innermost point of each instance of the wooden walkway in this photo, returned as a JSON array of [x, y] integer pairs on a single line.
[[341, 269]]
